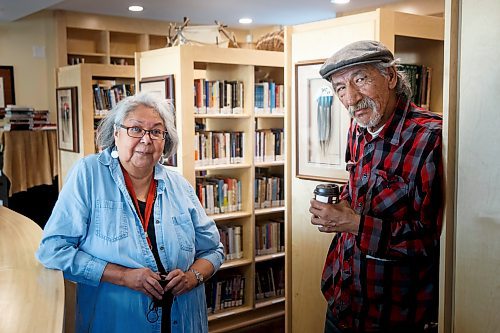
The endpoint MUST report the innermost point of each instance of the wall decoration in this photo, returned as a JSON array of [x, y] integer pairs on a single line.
[[7, 92], [67, 119], [322, 123]]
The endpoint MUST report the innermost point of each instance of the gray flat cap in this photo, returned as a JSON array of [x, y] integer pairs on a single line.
[[357, 53]]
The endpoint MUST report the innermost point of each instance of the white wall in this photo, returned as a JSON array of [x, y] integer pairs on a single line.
[[477, 274], [34, 78]]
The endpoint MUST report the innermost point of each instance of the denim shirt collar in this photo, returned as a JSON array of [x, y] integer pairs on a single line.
[[114, 166]]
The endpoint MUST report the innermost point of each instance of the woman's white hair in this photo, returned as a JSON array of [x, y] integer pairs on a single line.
[[105, 131]]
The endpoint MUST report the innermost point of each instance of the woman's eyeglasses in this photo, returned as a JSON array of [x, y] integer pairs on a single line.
[[137, 132]]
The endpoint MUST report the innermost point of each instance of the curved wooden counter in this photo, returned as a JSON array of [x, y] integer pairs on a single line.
[[31, 296]]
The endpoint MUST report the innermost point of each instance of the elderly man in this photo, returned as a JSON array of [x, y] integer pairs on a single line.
[[381, 272]]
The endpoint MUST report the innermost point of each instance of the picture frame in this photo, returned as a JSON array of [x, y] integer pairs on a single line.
[[7, 91], [322, 124], [67, 119], [163, 87]]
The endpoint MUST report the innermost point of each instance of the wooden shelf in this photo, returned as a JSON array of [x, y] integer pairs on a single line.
[[267, 257], [269, 164], [262, 211], [221, 116], [271, 115], [236, 263], [222, 167], [229, 312], [87, 54], [229, 216], [269, 301]]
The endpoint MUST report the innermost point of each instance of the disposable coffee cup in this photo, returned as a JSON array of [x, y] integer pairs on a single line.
[[327, 193]]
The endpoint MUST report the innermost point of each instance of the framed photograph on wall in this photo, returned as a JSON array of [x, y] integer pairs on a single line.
[[164, 87], [161, 85], [67, 119], [7, 92], [322, 123]]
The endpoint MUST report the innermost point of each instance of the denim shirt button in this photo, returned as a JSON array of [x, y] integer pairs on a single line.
[[157, 221], [174, 322], [162, 248]]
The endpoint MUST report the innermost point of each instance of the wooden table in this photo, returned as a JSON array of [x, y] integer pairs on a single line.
[[31, 296]]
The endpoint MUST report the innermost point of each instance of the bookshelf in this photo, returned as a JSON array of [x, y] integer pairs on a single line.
[[218, 67], [84, 77], [108, 40]]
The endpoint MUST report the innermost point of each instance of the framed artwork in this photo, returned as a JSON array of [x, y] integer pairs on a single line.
[[161, 85], [322, 123], [67, 119], [7, 94]]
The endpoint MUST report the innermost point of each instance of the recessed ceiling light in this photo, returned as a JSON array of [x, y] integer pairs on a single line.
[[245, 20], [135, 8], [340, 2]]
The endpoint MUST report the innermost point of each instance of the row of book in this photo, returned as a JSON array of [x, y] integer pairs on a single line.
[[214, 147], [269, 98], [420, 79], [218, 97], [269, 145], [22, 118], [108, 94], [269, 191], [270, 237], [224, 292], [269, 281], [231, 238], [219, 194]]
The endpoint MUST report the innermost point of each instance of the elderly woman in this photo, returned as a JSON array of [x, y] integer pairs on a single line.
[[123, 223]]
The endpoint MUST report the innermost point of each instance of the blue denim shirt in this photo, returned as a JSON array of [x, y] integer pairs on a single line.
[[94, 222]]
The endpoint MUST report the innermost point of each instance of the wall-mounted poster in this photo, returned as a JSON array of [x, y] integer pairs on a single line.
[[322, 125], [67, 119]]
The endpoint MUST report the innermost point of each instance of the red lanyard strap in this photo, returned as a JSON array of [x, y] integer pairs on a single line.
[[149, 201]]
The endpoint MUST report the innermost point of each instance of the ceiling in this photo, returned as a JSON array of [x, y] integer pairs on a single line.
[[263, 12]]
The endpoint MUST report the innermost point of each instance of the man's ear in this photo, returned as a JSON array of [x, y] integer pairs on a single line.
[[393, 77]]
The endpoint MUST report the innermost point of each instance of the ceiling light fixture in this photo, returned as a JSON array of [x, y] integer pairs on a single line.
[[340, 2], [135, 8], [245, 20]]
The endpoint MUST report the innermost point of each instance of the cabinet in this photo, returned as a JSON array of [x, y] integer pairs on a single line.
[[219, 66], [84, 77], [108, 40]]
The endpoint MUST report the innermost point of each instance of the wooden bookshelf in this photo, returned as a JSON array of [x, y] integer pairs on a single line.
[[188, 63], [107, 40]]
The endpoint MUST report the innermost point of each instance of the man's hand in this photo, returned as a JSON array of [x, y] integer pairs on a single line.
[[334, 217]]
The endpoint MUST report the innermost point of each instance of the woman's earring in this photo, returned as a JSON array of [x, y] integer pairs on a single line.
[[114, 153], [162, 159]]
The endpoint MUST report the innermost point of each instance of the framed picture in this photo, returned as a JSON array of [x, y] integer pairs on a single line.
[[322, 123], [67, 119], [164, 87], [161, 85], [7, 94]]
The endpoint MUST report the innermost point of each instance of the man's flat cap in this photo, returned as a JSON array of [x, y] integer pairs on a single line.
[[357, 53]]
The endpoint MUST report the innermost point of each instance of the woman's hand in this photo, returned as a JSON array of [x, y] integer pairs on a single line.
[[180, 282], [140, 279], [145, 281]]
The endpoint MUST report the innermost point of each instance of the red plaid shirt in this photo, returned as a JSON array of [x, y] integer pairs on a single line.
[[385, 279]]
